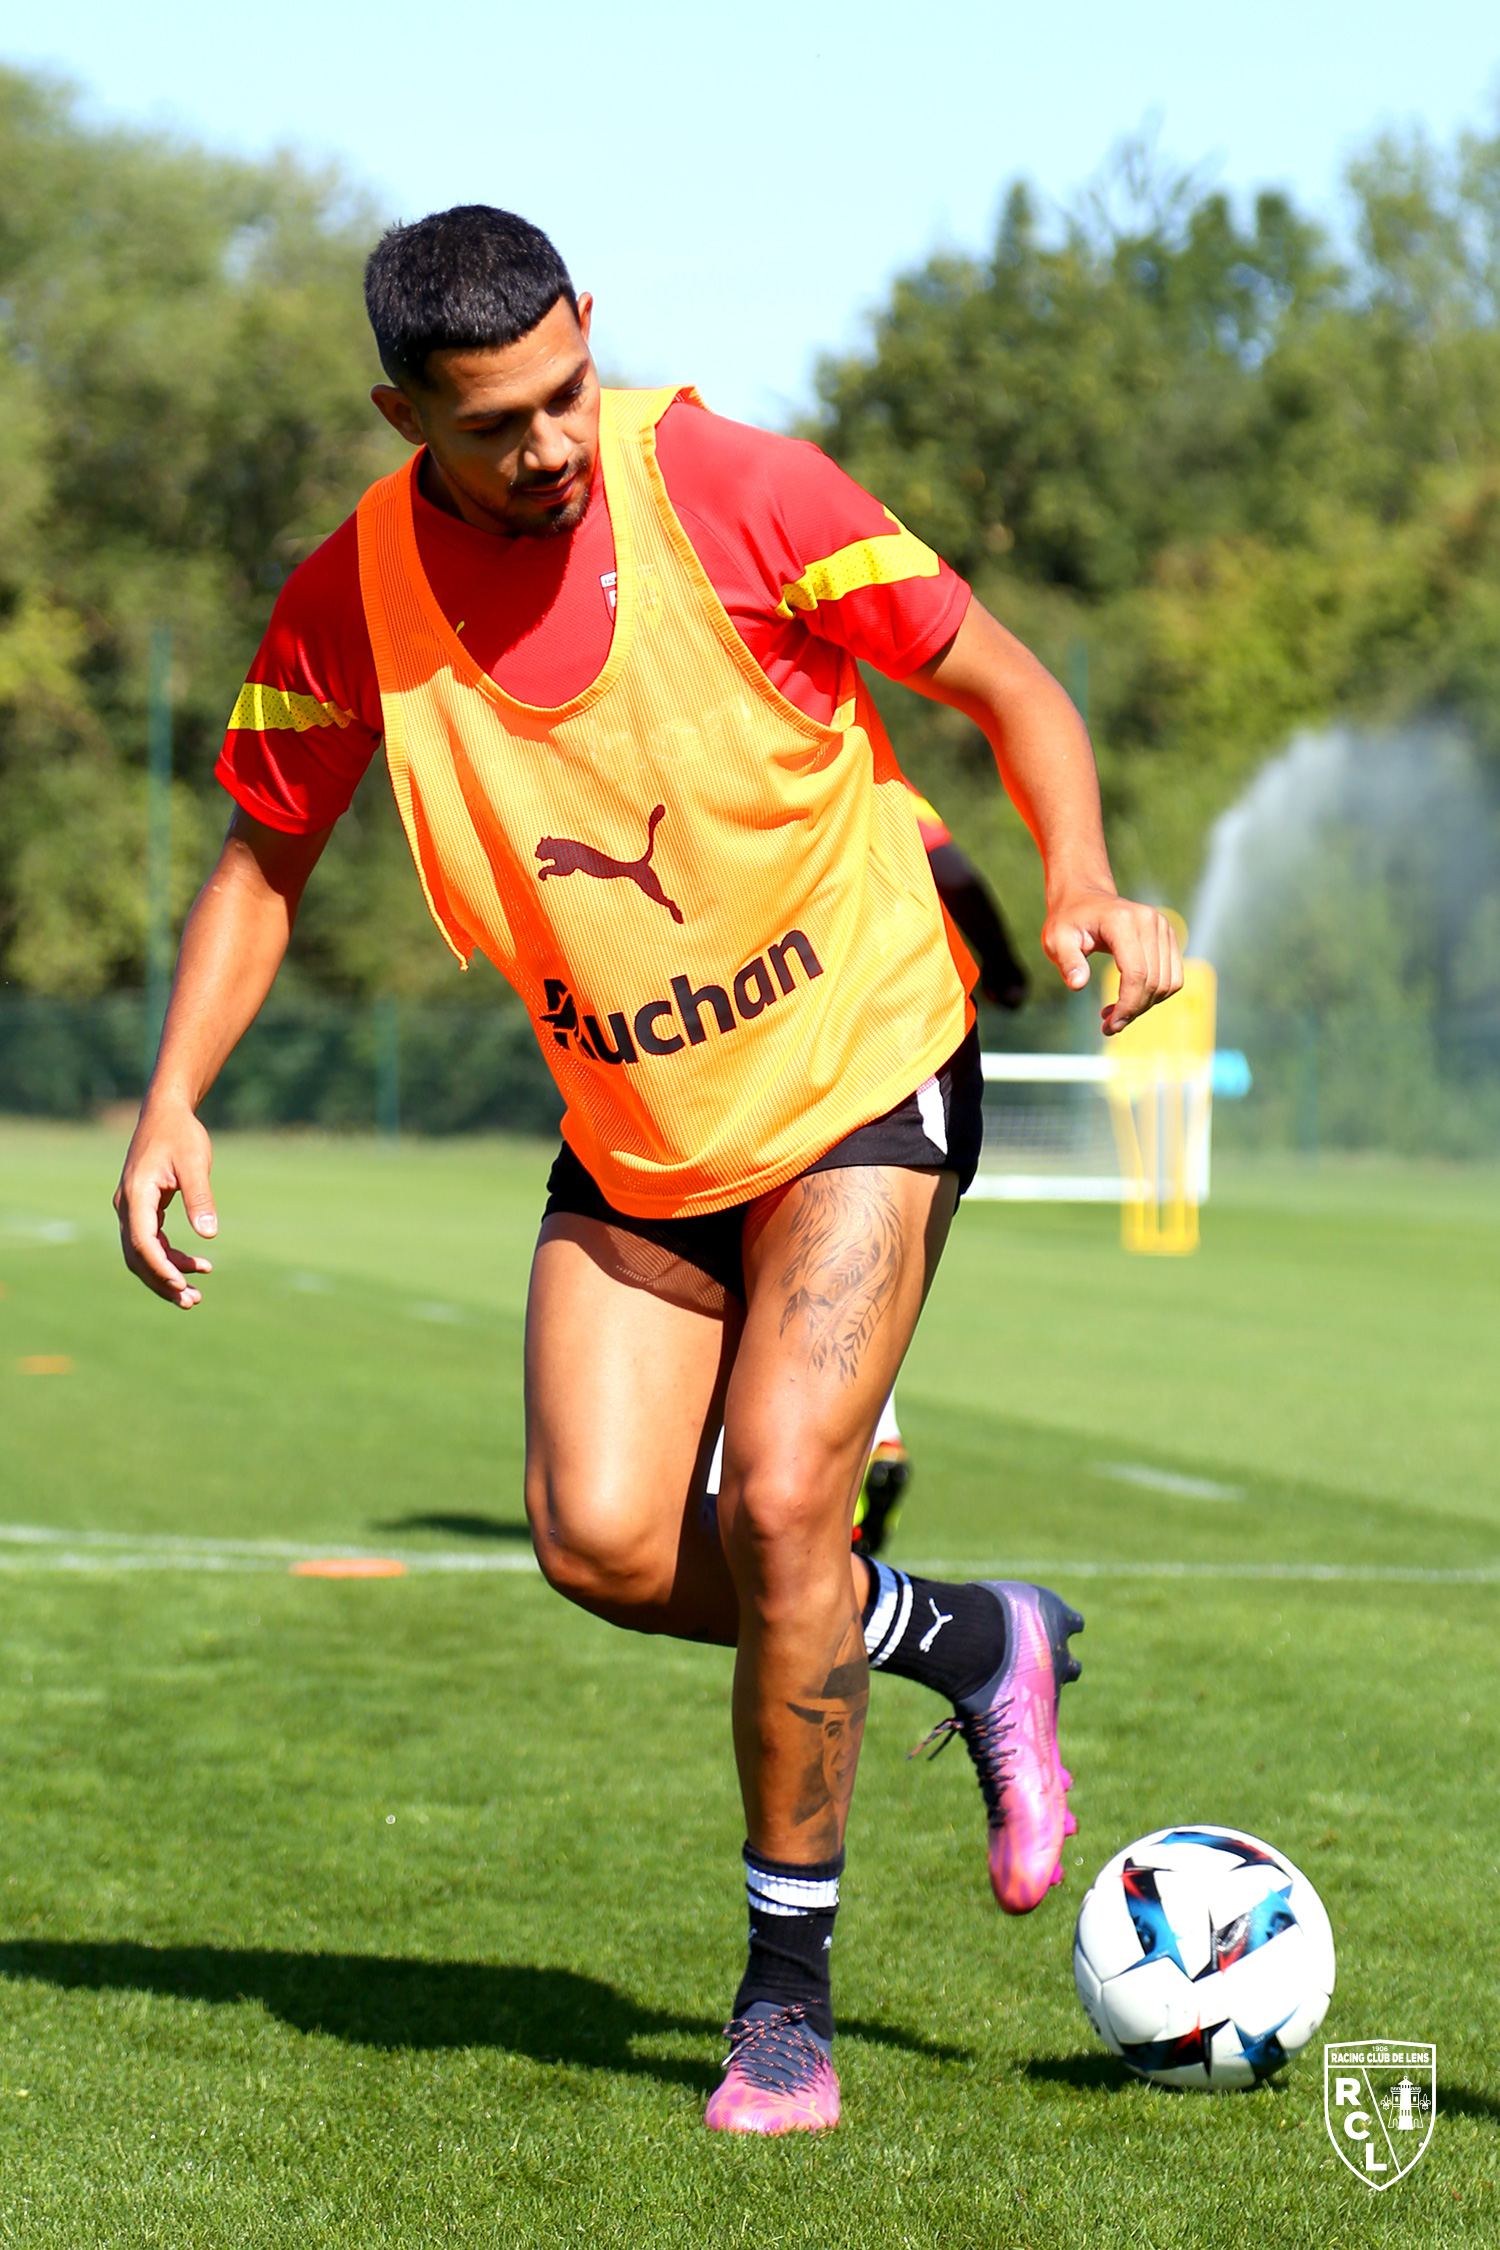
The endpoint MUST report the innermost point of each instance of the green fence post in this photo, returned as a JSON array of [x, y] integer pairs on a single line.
[[388, 1067], [158, 838]]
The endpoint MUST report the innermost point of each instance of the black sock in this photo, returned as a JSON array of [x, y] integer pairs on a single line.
[[951, 1638], [791, 1936]]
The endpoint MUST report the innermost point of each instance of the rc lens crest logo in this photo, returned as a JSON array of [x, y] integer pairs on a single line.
[[1380, 2105]]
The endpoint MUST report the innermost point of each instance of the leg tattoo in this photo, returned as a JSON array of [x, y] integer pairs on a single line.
[[835, 1716], [843, 1265]]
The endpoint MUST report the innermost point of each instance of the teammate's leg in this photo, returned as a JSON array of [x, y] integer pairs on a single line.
[[887, 1475], [888, 1428]]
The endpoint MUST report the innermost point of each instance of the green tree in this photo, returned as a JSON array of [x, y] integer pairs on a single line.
[[1258, 484], [184, 369], [1236, 482]]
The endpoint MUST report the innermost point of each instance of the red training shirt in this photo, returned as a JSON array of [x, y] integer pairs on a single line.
[[762, 513]]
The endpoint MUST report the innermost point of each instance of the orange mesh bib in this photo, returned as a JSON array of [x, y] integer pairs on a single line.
[[717, 911]]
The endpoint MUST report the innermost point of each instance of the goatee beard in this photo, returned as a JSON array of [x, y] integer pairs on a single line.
[[567, 521]]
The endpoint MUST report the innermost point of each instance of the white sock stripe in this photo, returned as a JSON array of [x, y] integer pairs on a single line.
[[791, 1894], [892, 1640], [885, 1606], [899, 1628]]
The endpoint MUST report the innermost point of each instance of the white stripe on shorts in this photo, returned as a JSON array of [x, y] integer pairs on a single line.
[[929, 1098]]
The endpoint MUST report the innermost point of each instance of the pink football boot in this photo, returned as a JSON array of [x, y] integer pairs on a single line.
[[1065, 1783], [778, 2076], [1010, 1728]]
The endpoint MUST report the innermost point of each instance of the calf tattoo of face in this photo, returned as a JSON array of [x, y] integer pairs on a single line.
[[835, 1714], [843, 1267]]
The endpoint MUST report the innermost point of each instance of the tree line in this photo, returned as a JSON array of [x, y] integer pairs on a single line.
[[1226, 476], [1226, 479]]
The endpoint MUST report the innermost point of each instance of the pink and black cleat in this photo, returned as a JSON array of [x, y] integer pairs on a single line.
[[778, 2075], [1010, 1728]]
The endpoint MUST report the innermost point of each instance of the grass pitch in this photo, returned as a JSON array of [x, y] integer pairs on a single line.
[[405, 1912]]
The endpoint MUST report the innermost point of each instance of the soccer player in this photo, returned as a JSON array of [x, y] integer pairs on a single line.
[[887, 1475], [610, 643], [970, 903]]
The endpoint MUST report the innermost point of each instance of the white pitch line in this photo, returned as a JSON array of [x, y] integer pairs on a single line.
[[100, 1563], [46, 1548], [167, 1542], [49, 1549], [1374, 1574], [1168, 1480], [97, 1564]]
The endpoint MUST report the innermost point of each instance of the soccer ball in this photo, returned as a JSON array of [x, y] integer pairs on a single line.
[[1203, 1958]]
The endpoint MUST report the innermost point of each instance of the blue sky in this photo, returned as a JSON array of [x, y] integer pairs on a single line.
[[737, 186]]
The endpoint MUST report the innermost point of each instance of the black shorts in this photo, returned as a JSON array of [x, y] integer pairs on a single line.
[[937, 1129]]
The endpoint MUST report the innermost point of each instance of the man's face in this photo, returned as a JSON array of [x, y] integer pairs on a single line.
[[511, 434]]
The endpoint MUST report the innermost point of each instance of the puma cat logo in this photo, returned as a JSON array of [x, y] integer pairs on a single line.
[[932, 1632], [559, 855]]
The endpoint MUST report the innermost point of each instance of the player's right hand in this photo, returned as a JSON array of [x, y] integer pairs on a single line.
[[1141, 939], [169, 1154]]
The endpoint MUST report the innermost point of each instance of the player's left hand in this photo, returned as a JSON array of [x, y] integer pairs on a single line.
[[1142, 940]]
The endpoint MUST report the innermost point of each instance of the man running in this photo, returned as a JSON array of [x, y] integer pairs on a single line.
[[610, 643]]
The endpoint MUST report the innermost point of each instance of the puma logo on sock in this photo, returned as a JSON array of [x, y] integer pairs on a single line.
[[933, 1630]]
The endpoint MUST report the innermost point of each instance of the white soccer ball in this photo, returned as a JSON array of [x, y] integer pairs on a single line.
[[1203, 1958]]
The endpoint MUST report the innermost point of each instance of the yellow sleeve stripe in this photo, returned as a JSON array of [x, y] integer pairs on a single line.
[[265, 710], [883, 561]]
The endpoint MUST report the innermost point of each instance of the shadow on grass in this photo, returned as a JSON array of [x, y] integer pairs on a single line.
[[1106, 2074], [459, 1527], [1095, 2073], [909, 2042], [1086, 2074], [1467, 2103], [549, 2015]]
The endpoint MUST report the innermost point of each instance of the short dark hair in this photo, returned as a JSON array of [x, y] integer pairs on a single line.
[[462, 280]]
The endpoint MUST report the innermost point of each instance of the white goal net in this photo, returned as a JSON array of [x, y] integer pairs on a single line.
[[1131, 1125], [1048, 1133]]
